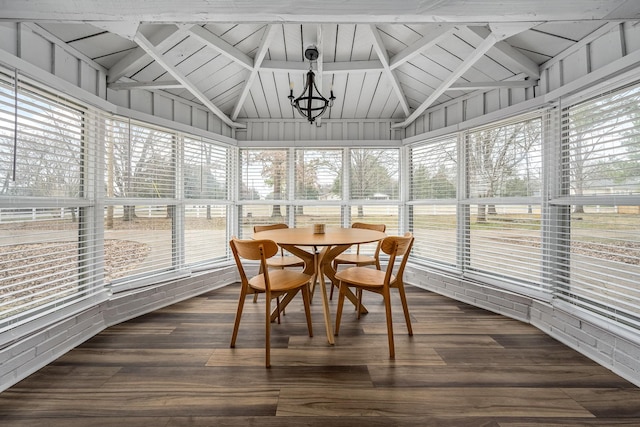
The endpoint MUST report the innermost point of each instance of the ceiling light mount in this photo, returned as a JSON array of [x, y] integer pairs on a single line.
[[310, 104]]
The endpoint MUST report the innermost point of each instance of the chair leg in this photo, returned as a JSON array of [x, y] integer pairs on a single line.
[[236, 325], [255, 296], [387, 306], [341, 294], [359, 296], [267, 332], [335, 268], [306, 298], [405, 308]]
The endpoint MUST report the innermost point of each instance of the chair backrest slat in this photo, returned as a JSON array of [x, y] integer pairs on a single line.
[[253, 250], [397, 246], [278, 226], [376, 227]]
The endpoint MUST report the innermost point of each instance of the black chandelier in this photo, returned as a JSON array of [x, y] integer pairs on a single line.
[[310, 106]]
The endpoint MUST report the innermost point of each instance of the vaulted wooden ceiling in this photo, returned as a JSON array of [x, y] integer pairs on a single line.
[[383, 59]]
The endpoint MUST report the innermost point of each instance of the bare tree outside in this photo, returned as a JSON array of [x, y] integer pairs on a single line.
[[504, 162], [141, 164], [601, 144]]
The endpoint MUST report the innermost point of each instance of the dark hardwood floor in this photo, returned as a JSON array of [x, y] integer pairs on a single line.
[[463, 367]]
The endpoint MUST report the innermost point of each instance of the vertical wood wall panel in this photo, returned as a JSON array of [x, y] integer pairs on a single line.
[[163, 107], [36, 50], [631, 36], [491, 102], [575, 65], [89, 78], [606, 49], [141, 101], [182, 113], [65, 66], [9, 37]]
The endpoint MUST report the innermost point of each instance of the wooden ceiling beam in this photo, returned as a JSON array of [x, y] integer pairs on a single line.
[[383, 56], [222, 46], [327, 67], [168, 84], [161, 39], [479, 51], [506, 54], [155, 53], [498, 33], [257, 62], [430, 39], [504, 84]]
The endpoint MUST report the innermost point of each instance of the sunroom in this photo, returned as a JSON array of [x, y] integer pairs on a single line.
[[136, 139]]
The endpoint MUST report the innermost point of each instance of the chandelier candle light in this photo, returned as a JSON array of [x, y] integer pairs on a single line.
[[310, 106]]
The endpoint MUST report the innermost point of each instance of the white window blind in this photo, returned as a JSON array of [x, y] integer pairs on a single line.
[[600, 253], [374, 174], [504, 181], [317, 174], [206, 192], [48, 249], [432, 197], [263, 174], [205, 168], [140, 161], [140, 172], [434, 169]]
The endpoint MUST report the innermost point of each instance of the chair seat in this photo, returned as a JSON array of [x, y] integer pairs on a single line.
[[354, 259], [281, 280], [285, 261], [364, 276]]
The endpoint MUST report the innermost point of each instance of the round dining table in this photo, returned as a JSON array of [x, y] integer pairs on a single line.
[[318, 250]]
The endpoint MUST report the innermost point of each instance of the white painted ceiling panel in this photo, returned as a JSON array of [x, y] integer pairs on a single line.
[[221, 67]]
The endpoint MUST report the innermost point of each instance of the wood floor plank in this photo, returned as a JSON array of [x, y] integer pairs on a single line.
[[608, 402], [467, 401], [186, 379], [239, 401], [336, 356], [496, 376], [463, 367], [129, 356]]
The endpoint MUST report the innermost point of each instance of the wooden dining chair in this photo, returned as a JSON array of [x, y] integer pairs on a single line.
[[272, 282], [380, 282], [282, 260], [358, 259]]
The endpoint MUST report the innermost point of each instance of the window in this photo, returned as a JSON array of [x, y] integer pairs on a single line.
[[503, 209], [317, 175], [600, 254], [140, 171], [206, 205], [432, 200], [264, 175], [48, 246], [374, 174]]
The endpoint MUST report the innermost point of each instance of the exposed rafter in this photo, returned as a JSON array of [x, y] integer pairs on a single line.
[[383, 56], [505, 84], [430, 39], [222, 46], [262, 51], [167, 84], [495, 36], [327, 67], [506, 54], [162, 39], [152, 51]]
